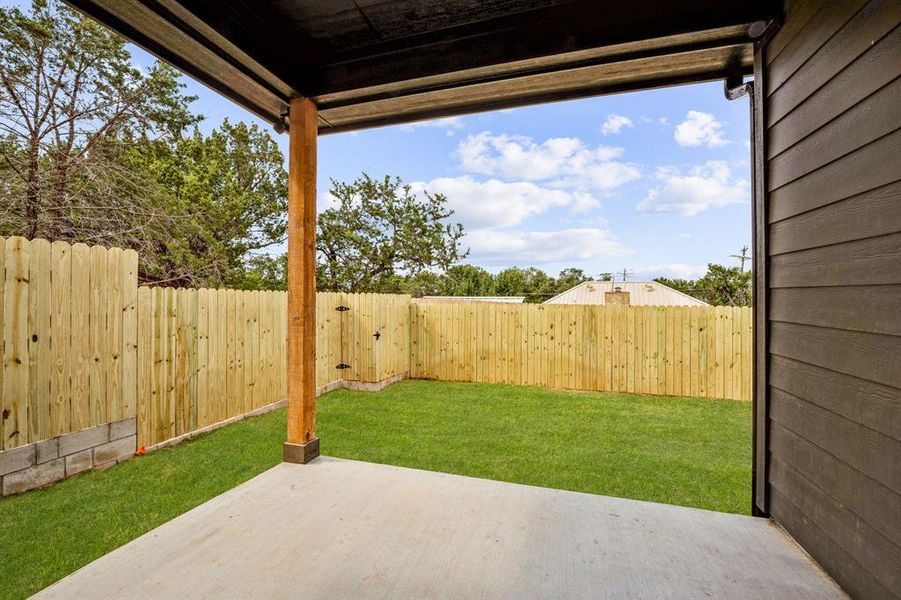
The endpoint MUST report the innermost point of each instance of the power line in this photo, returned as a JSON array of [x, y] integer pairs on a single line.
[[742, 257]]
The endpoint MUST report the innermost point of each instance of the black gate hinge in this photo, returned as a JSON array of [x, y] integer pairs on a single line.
[[342, 308], [342, 366]]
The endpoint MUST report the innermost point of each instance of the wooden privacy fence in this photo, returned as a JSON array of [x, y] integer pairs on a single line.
[[83, 345], [669, 350], [205, 356], [208, 355], [69, 346]]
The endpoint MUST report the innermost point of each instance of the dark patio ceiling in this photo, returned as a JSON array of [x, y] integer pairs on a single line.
[[377, 62]]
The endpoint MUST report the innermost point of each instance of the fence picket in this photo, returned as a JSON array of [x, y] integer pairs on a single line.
[[39, 327]]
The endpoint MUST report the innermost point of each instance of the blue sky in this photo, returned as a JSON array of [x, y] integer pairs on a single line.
[[657, 182]]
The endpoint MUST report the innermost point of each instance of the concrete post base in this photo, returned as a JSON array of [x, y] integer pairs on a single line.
[[301, 453]]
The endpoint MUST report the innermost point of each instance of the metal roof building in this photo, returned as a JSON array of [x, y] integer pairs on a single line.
[[641, 293]]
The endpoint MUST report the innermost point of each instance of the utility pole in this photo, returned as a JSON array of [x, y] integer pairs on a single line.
[[742, 257], [626, 273]]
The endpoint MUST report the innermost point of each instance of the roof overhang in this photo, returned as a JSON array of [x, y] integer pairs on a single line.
[[378, 62]]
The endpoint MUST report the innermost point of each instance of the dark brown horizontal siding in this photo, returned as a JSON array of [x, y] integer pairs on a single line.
[[843, 221], [870, 501], [798, 14], [870, 309], [860, 125], [857, 446], [867, 403], [807, 517], [868, 356], [874, 165], [875, 20], [870, 72], [836, 517], [833, 180], [872, 260], [805, 45]]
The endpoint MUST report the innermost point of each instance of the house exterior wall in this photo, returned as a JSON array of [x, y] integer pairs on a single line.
[[832, 173]]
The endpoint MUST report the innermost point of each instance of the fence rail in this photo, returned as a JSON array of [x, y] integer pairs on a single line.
[[83, 345]]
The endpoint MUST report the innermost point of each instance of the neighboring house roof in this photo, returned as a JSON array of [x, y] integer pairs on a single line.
[[500, 299], [641, 293]]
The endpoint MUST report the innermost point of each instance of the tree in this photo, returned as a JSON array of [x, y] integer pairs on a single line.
[[538, 286], [379, 228], [70, 97], [570, 278], [720, 286], [230, 190], [726, 285], [265, 272], [467, 280], [510, 282], [424, 283], [92, 149]]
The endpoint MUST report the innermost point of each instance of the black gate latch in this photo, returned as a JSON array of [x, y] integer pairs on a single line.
[[342, 308], [376, 335], [342, 366]]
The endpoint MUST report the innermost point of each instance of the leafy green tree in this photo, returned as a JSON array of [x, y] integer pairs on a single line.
[[720, 286], [379, 228], [726, 285], [265, 272], [467, 280], [230, 190], [69, 97], [510, 282], [538, 285], [570, 278], [424, 283]]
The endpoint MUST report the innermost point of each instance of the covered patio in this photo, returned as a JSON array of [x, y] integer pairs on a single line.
[[826, 383], [346, 529]]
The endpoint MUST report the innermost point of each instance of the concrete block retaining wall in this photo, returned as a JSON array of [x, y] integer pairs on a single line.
[[42, 463]]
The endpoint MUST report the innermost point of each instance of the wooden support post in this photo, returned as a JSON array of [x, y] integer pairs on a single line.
[[302, 445]]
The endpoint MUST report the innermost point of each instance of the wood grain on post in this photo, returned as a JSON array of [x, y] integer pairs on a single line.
[[302, 444]]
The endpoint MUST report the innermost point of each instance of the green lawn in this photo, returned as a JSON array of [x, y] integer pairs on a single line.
[[688, 451]]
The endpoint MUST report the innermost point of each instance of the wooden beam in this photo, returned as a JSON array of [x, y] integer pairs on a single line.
[[617, 76], [302, 445]]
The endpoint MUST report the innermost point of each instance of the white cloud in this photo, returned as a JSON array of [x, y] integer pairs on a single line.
[[493, 203], [675, 270], [700, 129], [685, 236], [492, 247], [449, 124], [614, 124], [706, 186], [570, 162]]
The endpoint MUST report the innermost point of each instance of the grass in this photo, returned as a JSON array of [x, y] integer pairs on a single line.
[[687, 451]]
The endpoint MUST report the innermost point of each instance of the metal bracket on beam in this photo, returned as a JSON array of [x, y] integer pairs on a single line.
[[734, 87], [281, 126]]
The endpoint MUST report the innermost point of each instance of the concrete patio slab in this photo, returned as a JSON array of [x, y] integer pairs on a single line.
[[346, 529]]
